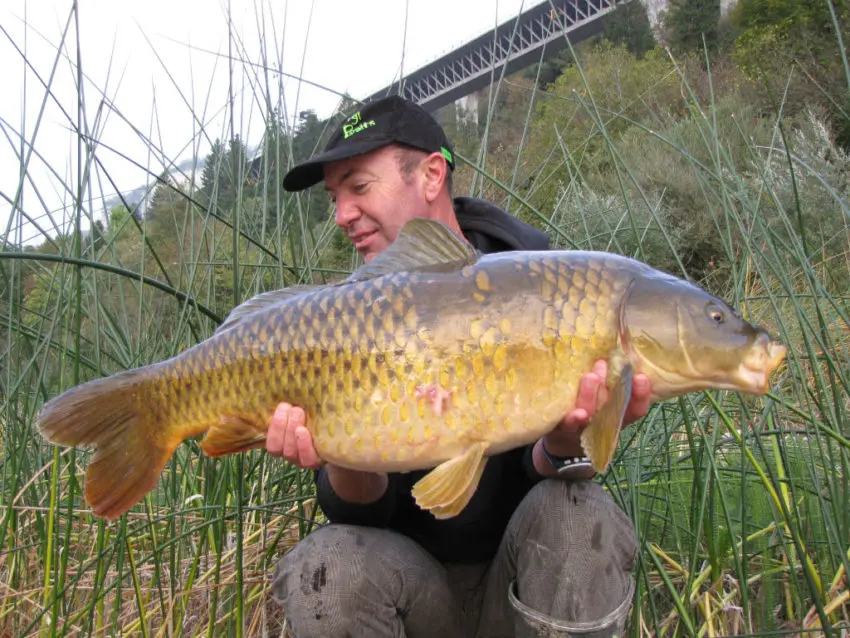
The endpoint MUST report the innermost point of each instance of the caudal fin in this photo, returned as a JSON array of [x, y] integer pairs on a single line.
[[130, 450]]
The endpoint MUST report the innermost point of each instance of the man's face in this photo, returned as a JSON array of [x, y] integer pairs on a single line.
[[373, 200]]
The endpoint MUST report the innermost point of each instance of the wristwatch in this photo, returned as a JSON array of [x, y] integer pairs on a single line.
[[569, 466]]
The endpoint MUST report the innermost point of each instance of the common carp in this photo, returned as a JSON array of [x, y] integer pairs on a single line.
[[429, 356]]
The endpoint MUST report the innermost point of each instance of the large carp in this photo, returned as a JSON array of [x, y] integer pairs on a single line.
[[430, 356]]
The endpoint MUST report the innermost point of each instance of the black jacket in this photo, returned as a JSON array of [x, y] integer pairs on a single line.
[[474, 535]]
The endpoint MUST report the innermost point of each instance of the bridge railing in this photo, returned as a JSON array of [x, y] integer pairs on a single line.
[[515, 43]]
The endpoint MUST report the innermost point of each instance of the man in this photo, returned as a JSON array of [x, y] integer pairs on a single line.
[[384, 567]]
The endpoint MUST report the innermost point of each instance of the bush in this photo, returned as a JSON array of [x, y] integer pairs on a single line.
[[567, 132]]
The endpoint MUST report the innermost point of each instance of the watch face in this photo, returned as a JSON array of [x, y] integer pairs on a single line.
[[579, 469]]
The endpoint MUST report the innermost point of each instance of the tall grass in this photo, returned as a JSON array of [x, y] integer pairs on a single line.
[[740, 505]]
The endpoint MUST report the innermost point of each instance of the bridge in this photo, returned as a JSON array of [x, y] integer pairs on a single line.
[[516, 44]]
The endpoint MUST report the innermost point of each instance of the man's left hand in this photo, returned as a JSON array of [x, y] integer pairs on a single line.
[[565, 440]]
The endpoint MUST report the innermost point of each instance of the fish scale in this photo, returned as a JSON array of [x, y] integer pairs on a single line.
[[431, 356]]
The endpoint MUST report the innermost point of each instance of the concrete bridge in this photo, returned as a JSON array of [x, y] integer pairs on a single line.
[[535, 34]]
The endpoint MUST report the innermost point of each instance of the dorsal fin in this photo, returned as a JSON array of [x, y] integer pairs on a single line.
[[421, 245], [262, 301]]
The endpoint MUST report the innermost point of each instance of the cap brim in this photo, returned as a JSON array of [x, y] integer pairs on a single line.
[[312, 172]]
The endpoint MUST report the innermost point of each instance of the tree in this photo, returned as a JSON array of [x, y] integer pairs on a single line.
[[615, 78], [164, 195], [789, 14], [686, 22], [282, 148], [118, 216], [309, 135], [210, 173], [548, 71], [788, 29], [309, 138], [629, 25], [224, 175], [780, 37], [98, 235]]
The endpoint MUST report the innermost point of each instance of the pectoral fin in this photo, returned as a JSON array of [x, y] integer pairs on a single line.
[[599, 438], [231, 435], [447, 489]]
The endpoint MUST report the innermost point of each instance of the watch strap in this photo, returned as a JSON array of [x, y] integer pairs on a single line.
[[567, 465]]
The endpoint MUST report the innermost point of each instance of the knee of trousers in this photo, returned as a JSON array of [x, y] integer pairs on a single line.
[[319, 582], [576, 516]]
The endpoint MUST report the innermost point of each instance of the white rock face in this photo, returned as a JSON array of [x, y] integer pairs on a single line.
[[655, 7]]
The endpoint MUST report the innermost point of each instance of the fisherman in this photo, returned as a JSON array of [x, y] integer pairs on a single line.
[[383, 566]]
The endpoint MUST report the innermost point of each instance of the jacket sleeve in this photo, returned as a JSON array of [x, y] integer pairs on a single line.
[[531, 472], [377, 514]]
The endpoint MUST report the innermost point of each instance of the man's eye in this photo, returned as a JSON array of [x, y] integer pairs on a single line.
[[359, 188]]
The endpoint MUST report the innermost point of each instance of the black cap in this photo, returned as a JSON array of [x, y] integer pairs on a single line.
[[389, 120]]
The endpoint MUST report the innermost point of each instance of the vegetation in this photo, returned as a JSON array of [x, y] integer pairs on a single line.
[[724, 159]]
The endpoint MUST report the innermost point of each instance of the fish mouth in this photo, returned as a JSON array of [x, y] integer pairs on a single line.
[[753, 374]]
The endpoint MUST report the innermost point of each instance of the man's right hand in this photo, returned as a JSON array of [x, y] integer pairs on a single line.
[[289, 437]]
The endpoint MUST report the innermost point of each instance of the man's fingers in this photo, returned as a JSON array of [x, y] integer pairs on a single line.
[[290, 448], [575, 420], [277, 431], [588, 393], [307, 455], [639, 403], [296, 416], [587, 400], [641, 387], [289, 437], [600, 368]]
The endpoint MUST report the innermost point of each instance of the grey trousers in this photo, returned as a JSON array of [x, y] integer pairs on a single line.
[[568, 545]]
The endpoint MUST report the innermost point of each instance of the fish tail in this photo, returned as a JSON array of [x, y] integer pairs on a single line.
[[131, 447]]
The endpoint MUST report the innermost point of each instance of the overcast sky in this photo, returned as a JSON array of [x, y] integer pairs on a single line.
[[158, 61]]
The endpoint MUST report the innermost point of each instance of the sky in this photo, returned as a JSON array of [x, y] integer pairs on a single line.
[[156, 79]]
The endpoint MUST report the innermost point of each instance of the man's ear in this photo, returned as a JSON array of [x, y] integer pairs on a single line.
[[433, 169]]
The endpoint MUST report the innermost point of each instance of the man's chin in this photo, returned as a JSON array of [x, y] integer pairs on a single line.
[[370, 247]]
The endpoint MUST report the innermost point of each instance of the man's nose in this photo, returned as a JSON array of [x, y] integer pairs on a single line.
[[345, 212]]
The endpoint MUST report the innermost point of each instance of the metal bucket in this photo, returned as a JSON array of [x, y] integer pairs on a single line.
[[529, 623]]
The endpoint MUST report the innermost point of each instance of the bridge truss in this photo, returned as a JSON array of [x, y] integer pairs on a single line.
[[537, 32]]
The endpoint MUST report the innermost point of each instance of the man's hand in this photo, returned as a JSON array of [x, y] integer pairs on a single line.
[[593, 393], [289, 437], [565, 440]]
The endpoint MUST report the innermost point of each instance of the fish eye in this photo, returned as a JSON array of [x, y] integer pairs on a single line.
[[717, 316]]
